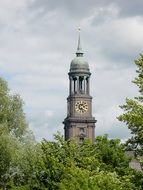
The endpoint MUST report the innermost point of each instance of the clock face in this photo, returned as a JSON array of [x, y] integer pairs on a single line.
[[81, 107]]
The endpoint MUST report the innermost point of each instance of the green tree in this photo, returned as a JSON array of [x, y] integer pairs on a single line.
[[26, 165], [14, 134], [111, 154], [66, 165], [133, 112], [11, 111], [7, 148], [78, 178]]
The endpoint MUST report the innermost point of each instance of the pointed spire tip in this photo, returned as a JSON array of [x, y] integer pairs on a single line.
[[79, 48]]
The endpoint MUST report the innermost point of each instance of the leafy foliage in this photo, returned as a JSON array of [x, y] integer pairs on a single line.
[[13, 132], [6, 149], [77, 178], [133, 115], [11, 112], [100, 166]]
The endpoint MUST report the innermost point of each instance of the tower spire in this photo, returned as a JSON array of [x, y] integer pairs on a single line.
[[79, 52], [79, 122]]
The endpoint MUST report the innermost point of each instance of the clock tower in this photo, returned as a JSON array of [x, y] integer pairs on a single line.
[[79, 123]]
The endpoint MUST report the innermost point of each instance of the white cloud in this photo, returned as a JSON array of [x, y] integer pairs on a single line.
[[10, 8], [121, 37]]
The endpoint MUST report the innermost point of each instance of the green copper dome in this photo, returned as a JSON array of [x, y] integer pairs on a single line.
[[79, 63]]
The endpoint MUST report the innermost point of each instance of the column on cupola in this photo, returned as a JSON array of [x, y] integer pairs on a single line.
[[70, 85], [73, 84], [77, 84], [87, 85], [82, 84]]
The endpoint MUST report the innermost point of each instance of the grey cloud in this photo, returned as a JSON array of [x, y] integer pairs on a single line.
[[130, 8], [119, 40], [116, 130], [45, 127], [79, 9], [75, 8]]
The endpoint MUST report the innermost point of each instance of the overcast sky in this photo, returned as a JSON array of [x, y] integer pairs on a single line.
[[38, 40]]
